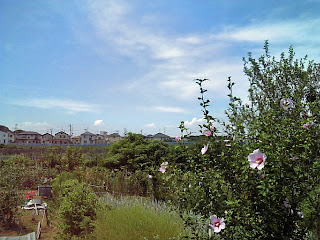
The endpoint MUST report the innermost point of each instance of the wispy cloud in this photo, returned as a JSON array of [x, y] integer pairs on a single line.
[[150, 125], [300, 30], [173, 60], [169, 109], [65, 104], [35, 124]]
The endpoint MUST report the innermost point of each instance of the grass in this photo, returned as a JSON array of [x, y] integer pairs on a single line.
[[135, 218]]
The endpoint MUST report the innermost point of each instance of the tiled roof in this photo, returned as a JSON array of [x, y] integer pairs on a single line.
[[87, 133], [29, 133], [114, 135], [160, 135]]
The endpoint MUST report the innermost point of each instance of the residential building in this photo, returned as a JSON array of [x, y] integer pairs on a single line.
[[88, 138], [161, 136], [114, 137], [11, 136], [47, 138], [149, 136], [61, 138], [28, 137], [100, 139], [4, 138], [76, 140]]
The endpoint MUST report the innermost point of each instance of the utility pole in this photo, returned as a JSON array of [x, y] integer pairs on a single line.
[[71, 133], [16, 127]]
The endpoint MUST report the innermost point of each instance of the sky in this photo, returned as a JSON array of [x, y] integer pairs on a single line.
[[129, 65]]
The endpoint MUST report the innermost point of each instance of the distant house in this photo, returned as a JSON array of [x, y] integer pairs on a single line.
[[28, 137], [76, 140], [100, 139], [161, 136], [4, 138], [47, 138], [149, 136], [11, 136], [61, 138], [88, 138], [114, 137]]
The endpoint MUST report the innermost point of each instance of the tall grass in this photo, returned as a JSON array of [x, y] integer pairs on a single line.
[[135, 218]]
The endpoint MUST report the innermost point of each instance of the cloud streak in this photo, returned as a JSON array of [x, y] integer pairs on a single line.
[[65, 104]]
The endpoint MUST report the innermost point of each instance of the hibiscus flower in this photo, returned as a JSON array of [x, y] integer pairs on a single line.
[[217, 224], [257, 159]]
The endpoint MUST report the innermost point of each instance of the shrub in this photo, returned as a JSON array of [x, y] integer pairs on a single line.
[[77, 210], [278, 131]]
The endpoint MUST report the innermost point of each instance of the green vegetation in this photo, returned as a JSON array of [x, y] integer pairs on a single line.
[[132, 218], [259, 171], [77, 210]]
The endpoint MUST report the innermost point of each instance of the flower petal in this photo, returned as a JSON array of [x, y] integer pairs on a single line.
[[222, 225], [204, 149]]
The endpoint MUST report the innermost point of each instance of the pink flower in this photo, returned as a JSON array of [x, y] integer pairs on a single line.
[[177, 139], [208, 133], [257, 159], [217, 224], [247, 105], [204, 149], [163, 167], [307, 125], [286, 103]]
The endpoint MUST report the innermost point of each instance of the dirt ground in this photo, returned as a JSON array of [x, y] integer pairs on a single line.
[[28, 222]]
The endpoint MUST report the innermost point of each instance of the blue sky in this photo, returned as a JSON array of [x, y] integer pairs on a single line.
[[131, 64]]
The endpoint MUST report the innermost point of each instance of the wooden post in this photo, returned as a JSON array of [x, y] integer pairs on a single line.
[[39, 230]]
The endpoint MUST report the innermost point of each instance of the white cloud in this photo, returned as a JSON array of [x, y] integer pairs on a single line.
[[35, 124], [169, 109], [299, 30], [45, 103], [194, 122], [98, 123], [174, 61], [150, 125]]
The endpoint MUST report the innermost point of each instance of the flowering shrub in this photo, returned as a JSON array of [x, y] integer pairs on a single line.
[[284, 97]]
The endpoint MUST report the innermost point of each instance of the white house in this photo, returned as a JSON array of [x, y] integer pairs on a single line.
[[88, 138], [4, 137], [161, 136]]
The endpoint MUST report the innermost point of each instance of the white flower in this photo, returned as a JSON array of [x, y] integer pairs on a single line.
[[257, 159], [217, 224], [286, 103]]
